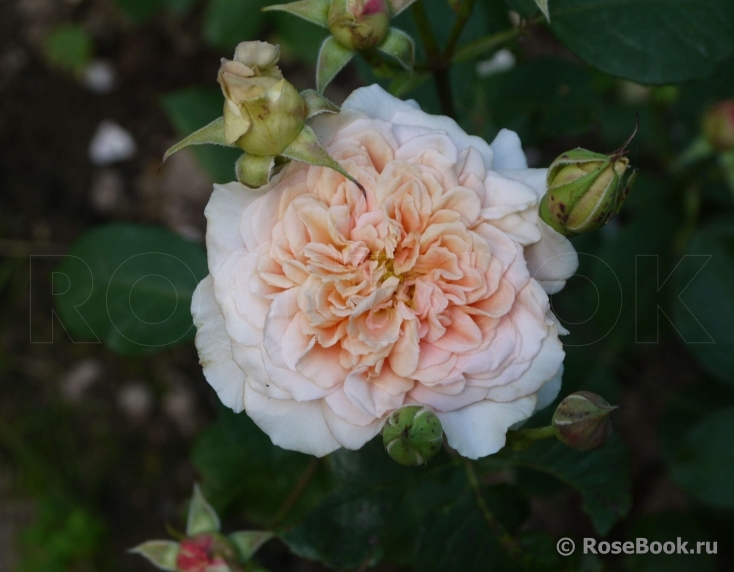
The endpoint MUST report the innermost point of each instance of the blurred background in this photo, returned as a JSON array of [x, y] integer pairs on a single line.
[[101, 440]]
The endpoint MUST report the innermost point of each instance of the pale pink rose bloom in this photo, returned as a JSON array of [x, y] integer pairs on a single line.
[[325, 311]]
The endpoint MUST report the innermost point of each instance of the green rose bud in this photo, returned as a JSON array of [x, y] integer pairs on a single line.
[[585, 190], [582, 421], [412, 435], [718, 126], [359, 24], [263, 113]]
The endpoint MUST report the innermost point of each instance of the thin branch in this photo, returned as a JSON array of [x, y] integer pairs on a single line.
[[296, 493]]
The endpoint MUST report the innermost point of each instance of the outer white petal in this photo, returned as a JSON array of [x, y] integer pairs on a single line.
[[508, 153], [548, 393], [533, 178], [294, 425], [377, 103], [348, 435], [552, 260], [479, 429], [214, 347], [223, 214]]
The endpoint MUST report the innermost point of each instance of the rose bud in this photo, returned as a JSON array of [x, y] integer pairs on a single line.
[[585, 190], [359, 24], [263, 113], [718, 126], [582, 421], [207, 553], [412, 435]]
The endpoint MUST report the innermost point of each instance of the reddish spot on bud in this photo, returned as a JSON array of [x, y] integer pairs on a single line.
[[206, 553], [374, 7]]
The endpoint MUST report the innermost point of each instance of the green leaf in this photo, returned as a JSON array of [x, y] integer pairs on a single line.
[[229, 22], [314, 11], [351, 524], [703, 462], [332, 58], [705, 305], [69, 47], [139, 11], [202, 517], [242, 469], [601, 476], [667, 527], [160, 553], [254, 172], [466, 537], [130, 286], [181, 7], [189, 110], [400, 46], [666, 41], [249, 541]]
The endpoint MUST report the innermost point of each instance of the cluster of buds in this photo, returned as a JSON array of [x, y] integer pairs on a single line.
[[264, 116], [204, 549], [412, 435], [586, 190], [355, 26]]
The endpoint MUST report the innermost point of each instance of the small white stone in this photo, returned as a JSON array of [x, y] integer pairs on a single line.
[[135, 399], [99, 77], [111, 144], [79, 379], [108, 191], [501, 61]]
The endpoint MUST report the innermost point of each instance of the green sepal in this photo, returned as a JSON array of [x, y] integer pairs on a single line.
[[398, 6], [315, 11], [574, 157], [254, 172], [317, 103], [332, 58], [400, 46], [624, 191], [160, 553], [543, 5], [212, 134], [307, 149], [248, 542], [202, 517], [561, 200]]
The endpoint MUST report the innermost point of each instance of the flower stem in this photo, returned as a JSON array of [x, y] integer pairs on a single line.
[[465, 11], [436, 61], [498, 530], [296, 494], [525, 437]]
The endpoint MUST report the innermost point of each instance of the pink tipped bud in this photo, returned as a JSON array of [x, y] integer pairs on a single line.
[[359, 24], [207, 553], [718, 125]]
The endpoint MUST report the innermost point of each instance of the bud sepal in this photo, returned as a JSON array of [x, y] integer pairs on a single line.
[[412, 435], [582, 421]]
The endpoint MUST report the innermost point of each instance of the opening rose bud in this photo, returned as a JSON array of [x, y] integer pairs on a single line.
[[585, 190], [718, 126], [263, 113], [207, 553], [359, 24], [582, 421], [412, 435]]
